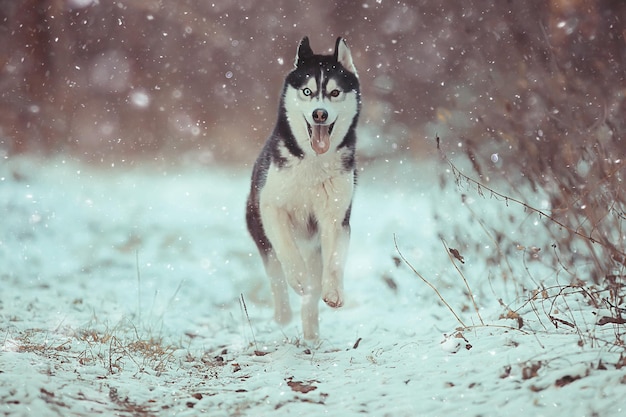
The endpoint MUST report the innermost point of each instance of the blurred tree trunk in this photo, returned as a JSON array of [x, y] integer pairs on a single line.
[[33, 95]]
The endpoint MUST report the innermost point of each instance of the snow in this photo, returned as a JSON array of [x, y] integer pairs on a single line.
[[134, 290]]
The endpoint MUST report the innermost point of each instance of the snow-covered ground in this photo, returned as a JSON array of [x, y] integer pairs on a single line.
[[122, 292]]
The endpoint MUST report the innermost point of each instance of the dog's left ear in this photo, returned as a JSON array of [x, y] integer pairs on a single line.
[[304, 52], [343, 55]]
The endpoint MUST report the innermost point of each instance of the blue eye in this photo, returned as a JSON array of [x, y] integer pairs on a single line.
[[307, 92]]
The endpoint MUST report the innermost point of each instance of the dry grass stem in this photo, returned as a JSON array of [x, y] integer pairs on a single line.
[[395, 241], [469, 290]]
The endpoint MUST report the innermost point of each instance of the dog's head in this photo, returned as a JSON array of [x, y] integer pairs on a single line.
[[321, 97]]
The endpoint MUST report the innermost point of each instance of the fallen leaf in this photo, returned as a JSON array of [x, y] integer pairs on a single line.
[[530, 370], [457, 255], [302, 387], [391, 283], [615, 320], [567, 379]]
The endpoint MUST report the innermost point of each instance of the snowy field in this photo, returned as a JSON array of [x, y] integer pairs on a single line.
[[122, 292]]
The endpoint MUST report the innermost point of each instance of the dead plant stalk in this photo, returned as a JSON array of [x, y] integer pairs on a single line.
[[469, 290], [395, 241]]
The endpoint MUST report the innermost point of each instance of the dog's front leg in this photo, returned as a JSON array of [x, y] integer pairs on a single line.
[[334, 251], [310, 301], [278, 229]]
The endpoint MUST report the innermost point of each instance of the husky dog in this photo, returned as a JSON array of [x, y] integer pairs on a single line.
[[298, 210]]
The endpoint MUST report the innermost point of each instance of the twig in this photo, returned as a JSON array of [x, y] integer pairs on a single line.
[[469, 290], [458, 175], [138, 287], [395, 241], [169, 304], [245, 309]]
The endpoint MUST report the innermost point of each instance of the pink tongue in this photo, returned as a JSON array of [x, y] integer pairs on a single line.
[[320, 139]]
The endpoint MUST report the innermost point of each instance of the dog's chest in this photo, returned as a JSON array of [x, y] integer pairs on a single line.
[[309, 186]]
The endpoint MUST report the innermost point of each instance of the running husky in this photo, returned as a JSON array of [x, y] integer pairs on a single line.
[[298, 211]]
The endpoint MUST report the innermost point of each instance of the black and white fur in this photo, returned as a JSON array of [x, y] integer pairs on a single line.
[[298, 210]]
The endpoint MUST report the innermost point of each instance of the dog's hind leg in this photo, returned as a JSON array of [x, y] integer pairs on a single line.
[[278, 283]]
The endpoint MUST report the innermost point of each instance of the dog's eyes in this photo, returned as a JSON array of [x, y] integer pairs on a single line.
[[307, 92], [335, 93]]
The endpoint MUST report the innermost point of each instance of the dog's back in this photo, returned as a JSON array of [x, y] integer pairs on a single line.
[[298, 210]]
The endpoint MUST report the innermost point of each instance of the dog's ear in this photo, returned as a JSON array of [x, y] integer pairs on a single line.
[[304, 52], [343, 55]]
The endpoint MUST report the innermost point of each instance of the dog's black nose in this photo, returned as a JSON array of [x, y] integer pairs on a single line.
[[320, 115]]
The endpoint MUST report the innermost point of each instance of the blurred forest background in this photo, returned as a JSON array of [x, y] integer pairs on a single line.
[[106, 79]]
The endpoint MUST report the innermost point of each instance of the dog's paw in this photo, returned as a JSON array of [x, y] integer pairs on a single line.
[[333, 298]]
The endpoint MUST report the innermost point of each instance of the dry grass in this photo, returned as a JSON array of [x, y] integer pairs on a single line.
[[587, 251], [574, 161], [567, 147], [116, 349], [553, 126]]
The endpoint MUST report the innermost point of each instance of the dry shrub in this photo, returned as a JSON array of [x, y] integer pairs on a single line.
[[555, 127], [560, 130]]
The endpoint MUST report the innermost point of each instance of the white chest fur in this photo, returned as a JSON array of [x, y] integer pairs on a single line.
[[312, 186]]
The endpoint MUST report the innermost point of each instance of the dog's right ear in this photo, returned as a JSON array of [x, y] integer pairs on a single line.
[[304, 52]]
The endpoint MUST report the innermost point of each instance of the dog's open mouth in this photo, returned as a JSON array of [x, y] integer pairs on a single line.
[[320, 137]]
